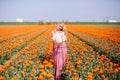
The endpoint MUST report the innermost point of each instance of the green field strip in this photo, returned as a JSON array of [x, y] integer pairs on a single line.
[[71, 23]]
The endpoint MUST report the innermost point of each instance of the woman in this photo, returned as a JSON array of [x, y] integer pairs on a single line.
[[59, 50]]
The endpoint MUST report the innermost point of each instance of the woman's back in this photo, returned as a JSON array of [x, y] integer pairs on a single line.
[[58, 37]]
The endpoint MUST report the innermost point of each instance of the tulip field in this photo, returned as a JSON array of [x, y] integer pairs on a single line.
[[26, 53]]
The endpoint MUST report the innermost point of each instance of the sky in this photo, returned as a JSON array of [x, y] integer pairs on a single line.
[[59, 10]]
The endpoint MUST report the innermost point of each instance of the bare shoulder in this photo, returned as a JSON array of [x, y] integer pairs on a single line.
[[53, 32], [63, 32]]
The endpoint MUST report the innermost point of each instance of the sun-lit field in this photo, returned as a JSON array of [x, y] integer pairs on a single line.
[[26, 53]]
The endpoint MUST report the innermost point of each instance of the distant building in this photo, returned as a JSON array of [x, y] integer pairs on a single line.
[[19, 20], [112, 20]]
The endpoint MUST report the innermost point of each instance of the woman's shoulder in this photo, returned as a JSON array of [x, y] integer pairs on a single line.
[[53, 31], [63, 32]]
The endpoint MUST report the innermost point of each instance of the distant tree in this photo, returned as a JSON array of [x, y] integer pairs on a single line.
[[49, 23], [66, 22], [40, 22]]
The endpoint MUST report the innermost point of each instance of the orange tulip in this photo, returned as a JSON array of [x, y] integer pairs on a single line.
[[1, 78], [40, 78], [49, 76]]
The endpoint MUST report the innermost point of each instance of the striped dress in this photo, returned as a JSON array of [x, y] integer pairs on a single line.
[[59, 56]]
